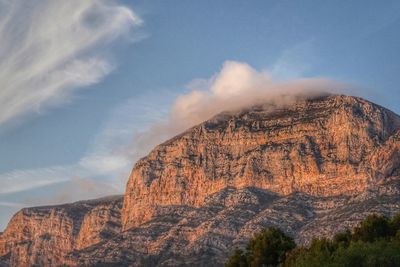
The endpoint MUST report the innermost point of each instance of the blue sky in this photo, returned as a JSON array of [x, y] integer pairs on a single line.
[[83, 97]]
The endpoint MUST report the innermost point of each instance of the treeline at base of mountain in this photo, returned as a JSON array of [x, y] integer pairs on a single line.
[[375, 242]]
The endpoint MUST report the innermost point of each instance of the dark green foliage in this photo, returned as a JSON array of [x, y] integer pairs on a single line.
[[267, 248], [372, 228], [294, 256], [394, 224], [320, 251], [343, 238], [375, 242], [381, 253], [238, 259]]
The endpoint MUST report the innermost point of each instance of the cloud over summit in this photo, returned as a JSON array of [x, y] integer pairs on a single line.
[[51, 48], [237, 85], [138, 125]]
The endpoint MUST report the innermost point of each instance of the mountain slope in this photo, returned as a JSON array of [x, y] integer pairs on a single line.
[[206, 236], [311, 168], [45, 235], [321, 147]]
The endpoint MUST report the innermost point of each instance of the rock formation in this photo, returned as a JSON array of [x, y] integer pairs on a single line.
[[311, 169], [43, 236], [321, 147]]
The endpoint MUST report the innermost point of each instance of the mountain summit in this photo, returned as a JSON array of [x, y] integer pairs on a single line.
[[311, 168], [323, 147]]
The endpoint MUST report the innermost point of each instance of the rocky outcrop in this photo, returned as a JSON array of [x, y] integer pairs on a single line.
[[321, 147], [206, 236], [311, 169], [42, 236]]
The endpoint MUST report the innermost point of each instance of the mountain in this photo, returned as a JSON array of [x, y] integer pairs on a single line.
[[43, 236], [311, 168]]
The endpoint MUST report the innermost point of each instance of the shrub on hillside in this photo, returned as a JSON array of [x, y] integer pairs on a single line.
[[375, 242]]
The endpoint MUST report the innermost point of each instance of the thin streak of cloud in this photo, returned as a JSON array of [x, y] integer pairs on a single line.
[[294, 61], [69, 183], [50, 48], [21, 180], [107, 162], [136, 126], [12, 204]]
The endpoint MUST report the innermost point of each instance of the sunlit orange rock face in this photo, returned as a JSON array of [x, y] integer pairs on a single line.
[[43, 236], [322, 147], [311, 168]]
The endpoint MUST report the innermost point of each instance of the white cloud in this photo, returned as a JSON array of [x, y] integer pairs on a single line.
[[20, 180], [235, 86], [238, 85], [136, 126], [105, 166], [51, 48], [12, 204]]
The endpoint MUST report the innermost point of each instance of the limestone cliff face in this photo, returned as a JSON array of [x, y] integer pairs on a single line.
[[207, 235], [311, 169], [322, 147], [42, 236], [100, 223]]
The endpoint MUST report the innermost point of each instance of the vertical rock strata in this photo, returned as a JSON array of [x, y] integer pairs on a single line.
[[42, 236], [312, 168], [320, 147]]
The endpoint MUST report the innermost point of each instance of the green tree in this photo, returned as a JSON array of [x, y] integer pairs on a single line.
[[342, 238], [238, 259], [318, 254], [394, 224], [375, 242], [372, 228], [295, 257], [380, 253], [269, 248]]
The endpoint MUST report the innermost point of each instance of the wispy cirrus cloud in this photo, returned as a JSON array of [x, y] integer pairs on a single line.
[[136, 126], [103, 170], [51, 48], [21, 180]]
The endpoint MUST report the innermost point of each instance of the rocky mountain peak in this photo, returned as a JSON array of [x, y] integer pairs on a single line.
[[311, 167], [319, 146]]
